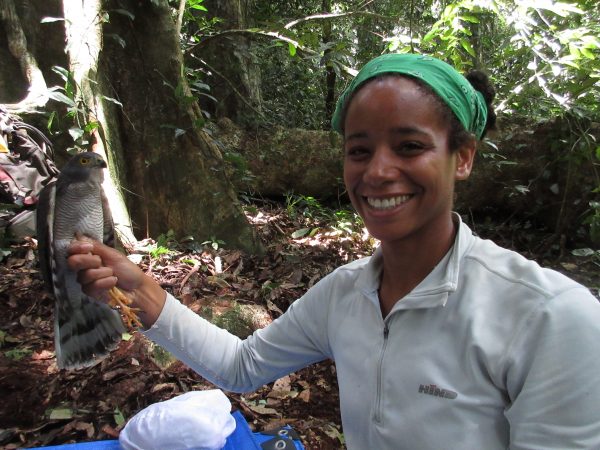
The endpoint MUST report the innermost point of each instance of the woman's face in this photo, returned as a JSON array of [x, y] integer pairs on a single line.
[[398, 169]]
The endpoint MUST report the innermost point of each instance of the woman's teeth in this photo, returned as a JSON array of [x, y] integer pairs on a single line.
[[387, 203]]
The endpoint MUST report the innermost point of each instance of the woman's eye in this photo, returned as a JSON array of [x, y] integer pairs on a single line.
[[356, 151], [410, 148]]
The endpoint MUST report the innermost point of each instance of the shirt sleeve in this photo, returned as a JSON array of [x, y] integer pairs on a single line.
[[552, 374], [293, 341]]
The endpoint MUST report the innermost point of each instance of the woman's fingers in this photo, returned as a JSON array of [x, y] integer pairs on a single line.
[[83, 261], [90, 276], [90, 258]]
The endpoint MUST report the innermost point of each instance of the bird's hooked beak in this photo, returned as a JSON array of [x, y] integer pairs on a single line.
[[101, 163]]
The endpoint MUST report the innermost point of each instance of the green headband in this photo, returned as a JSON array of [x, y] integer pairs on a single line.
[[454, 89]]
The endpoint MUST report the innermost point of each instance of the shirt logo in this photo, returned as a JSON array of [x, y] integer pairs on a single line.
[[432, 389]]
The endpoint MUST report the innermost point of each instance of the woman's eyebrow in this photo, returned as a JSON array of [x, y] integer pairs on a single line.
[[359, 135], [409, 130], [395, 130]]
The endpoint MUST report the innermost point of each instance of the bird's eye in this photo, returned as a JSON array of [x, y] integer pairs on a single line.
[[84, 161]]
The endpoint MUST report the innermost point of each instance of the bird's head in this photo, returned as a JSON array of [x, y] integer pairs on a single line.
[[85, 166]]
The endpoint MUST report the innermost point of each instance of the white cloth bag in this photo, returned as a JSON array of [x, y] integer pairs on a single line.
[[199, 420]]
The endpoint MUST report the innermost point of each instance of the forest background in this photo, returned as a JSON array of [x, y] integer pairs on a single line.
[[214, 118]]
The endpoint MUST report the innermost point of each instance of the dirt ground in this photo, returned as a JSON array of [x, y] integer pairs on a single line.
[[40, 405]]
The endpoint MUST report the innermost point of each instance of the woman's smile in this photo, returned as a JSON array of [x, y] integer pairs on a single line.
[[384, 204]]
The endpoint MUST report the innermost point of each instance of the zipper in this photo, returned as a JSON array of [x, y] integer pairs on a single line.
[[378, 412]]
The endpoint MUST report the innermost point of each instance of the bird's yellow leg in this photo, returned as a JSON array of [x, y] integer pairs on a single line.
[[120, 301]]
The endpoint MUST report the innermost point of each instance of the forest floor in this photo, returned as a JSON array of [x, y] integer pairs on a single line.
[[41, 405]]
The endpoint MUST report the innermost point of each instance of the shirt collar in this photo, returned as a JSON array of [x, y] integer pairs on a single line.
[[435, 289]]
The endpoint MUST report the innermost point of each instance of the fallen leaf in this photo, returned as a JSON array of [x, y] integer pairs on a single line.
[[44, 354], [60, 414], [262, 410], [113, 374], [332, 431], [304, 395], [113, 433], [163, 387], [282, 384], [87, 427]]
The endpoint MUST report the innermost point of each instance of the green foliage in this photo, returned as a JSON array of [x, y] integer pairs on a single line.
[[214, 243], [119, 417], [78, 113], [593, 221], [543, 50], [588, 254], [450, 37], [163, 247], [161, 357], [309, 211], [17, 354]]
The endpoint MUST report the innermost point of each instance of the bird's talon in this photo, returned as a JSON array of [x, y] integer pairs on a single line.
[[120, 301]]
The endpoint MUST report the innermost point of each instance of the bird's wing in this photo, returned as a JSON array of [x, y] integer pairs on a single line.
[[109, 226], [44, 226]]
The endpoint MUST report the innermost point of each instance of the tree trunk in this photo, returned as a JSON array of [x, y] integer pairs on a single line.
[[171, 168], [125, 59], [236, 76], [330, 76], [27, 52], [84, 38]]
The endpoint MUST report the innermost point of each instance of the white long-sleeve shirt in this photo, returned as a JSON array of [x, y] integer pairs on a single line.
[[489, 351]]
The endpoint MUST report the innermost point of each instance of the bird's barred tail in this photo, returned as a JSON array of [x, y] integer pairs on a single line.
[[82, 336]]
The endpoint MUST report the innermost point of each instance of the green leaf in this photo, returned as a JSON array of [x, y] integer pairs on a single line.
[[428, 37], [583, 252], [91, 127], [470, 18], [18, 353], [60, 414], [587, 53], [468, 47], [292, 49], [61, 98], [598, 152], [76, 133], [119, 417], [300, 233]]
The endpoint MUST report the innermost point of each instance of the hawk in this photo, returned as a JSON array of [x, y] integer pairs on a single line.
[[74, 206]]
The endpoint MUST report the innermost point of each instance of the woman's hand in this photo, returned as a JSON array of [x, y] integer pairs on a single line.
[[101, 268]]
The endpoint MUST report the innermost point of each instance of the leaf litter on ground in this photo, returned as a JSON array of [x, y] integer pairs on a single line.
[[44, 406]]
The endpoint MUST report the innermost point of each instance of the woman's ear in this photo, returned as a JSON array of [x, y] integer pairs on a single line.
[[464, 160]]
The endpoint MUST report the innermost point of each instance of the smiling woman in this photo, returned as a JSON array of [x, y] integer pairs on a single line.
[[398, 168], [440, 339]]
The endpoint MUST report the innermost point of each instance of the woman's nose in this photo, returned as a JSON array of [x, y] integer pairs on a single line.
[[382, 167]]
